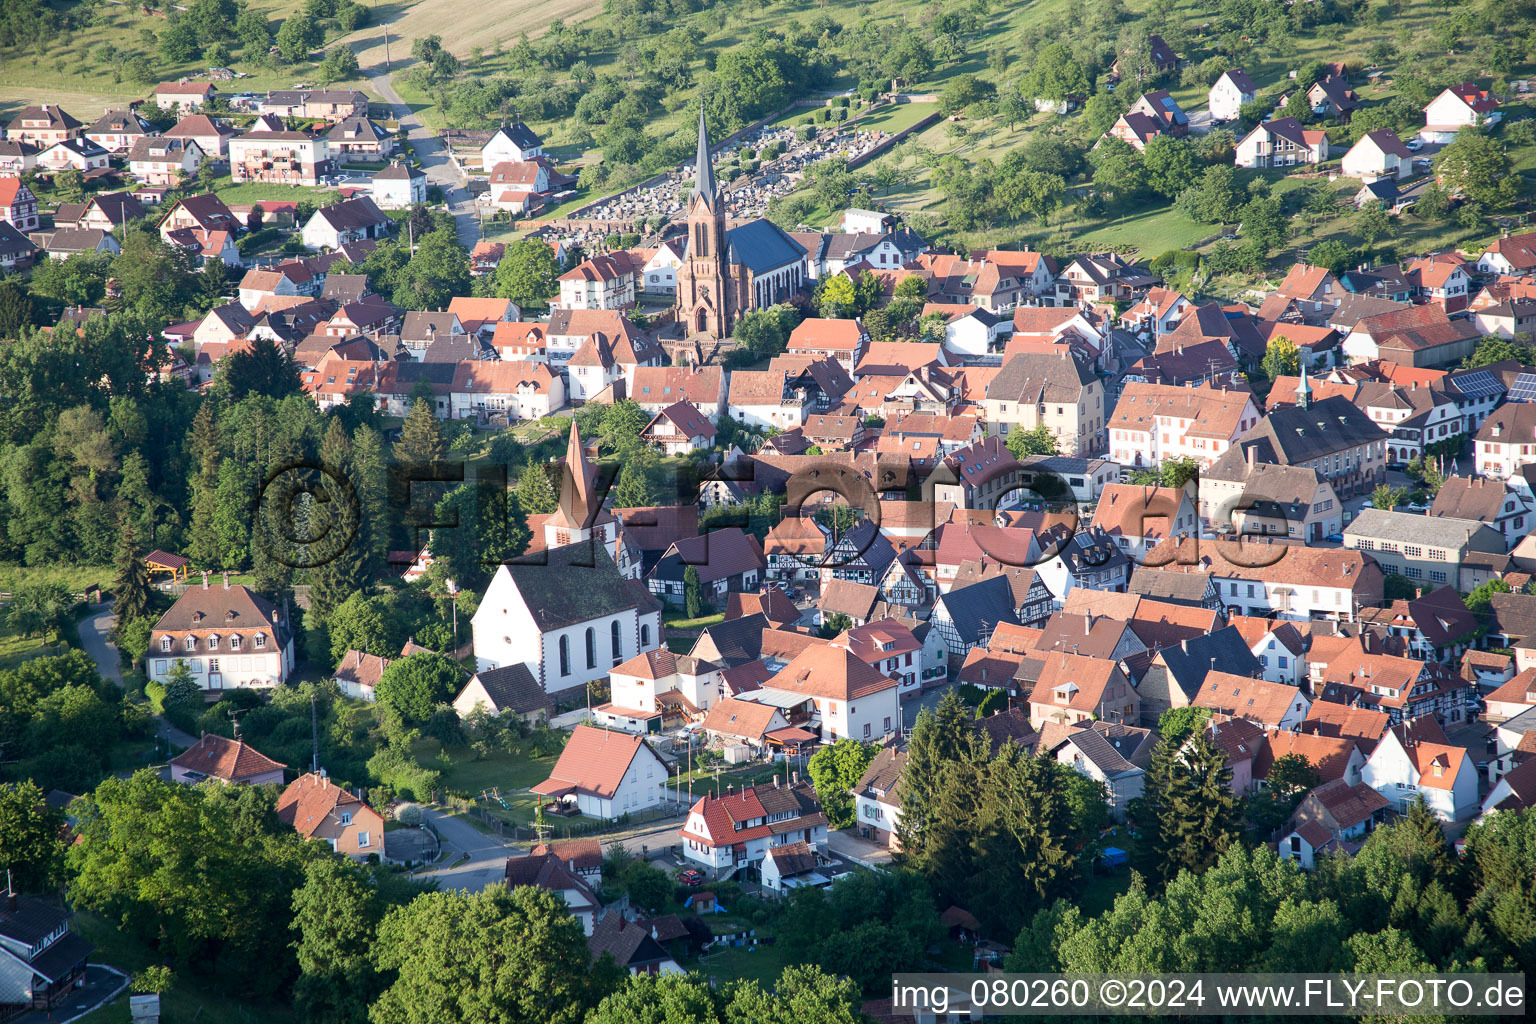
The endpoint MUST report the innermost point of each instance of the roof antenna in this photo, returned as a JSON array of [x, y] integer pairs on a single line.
[[314, 729]]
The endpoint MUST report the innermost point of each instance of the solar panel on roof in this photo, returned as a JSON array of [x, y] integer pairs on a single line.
[[1524, 388], [1478, 384]]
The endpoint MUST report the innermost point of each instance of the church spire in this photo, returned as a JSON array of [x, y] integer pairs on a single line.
[[703, 170], [1303, 390], [576, 484]]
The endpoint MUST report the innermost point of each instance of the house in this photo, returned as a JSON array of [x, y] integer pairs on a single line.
[[211, 135], [1156, 422], [792, 866], [1510, 255], [155, 160], [600, 282], [1501, 506], [1279, 646], [16, 249], [861, 555], [746, 722], [1271, 705], [679, 429], [359, 673], [1433, 549], [726, 559], [1333, 98], [493, 392], [877, 797], [67, 242], [1282, 142], [117, 130], [731, 833], [1441, 280], [510, 690], [795, 549], [1512, 699], [1456, 108], [280, 157], [1229, 93], [1071, 688], [79, 154], [351, 220], [654, 388], [632, 945], [1259, 498], [538, 612], [1378, 154], [1330, 435], [1176, 674], [1159, 59], [183, 96], [1059, 392], [830, 690], [515, 141], [202, 214], [43, 126], [563, 875], [317, 808], [289, 280], [227, 636], [398, 186], [359, 139], [17, 157], [1416, 760], [1139, 518], [658, 690], [1337, 815], [658, 274], [322, 104], [784, 394], [841, 340], [1514, 791], [229, 761], [604, 774], [1334, 758], [42, 962], [18, 205], [1506, 441]]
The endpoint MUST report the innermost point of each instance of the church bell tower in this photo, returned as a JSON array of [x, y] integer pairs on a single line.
[[703, 298]]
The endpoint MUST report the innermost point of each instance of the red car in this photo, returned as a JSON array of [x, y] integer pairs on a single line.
[[690, 877]]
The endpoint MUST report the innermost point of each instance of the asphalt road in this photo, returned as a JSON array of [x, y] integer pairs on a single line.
[[433, 155], [95, 635], [487, 864]]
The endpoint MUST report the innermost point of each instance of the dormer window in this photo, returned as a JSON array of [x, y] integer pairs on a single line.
[[165, 643], [261, 640], [213, 642], [234, 642], [191, 643]]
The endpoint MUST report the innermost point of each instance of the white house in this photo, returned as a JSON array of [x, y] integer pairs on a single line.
[[548, 870], [227, 637], [792, 866], [1229, 93], [1506, 440], [1093, 755], [351, 220], [649, 685], [1378, 154], [1457, 108], [733, 831], [1282, 142], [515, 141], [602, 282], [81, 154], [504, 691], [1414, 760], [398, 186], [877, 797], [830, 687], [659, 274], [605, 774], [976, 332]]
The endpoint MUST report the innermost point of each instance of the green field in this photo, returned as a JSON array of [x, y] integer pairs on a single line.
[[74, 578]]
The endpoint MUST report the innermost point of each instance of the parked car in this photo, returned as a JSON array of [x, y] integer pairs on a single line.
[[691, 877], [1414, 145]]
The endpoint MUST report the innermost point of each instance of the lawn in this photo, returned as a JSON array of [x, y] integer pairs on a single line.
[[762, 964], [193, 997], [895, 117], [510, 773], [677, 618], [74, 578], [16, 649]]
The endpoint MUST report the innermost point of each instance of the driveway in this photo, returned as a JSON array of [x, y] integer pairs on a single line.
[[859, 850], [487, 864], [433, 155], [95, 635], [102, 984]]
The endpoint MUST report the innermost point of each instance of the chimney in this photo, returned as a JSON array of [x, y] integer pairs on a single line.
[[205, 579], [794, 778], [1252, 452], [226, 579], [775, 780]]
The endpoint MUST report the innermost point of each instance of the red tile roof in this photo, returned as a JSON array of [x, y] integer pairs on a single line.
[[593, 762], [226, 759]]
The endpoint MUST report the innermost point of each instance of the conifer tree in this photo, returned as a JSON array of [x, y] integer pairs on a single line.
[[203, 546], [936, 738], [1195, 816], [339, 547], [370, 473], [535, 494], [130, 586], [421, 441], [947, 857], [1021, 838]]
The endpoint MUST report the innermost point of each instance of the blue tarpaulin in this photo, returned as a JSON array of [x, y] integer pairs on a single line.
[[1113, 857]]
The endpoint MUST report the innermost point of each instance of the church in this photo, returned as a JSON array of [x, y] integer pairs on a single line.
[[730, 271], [567, 612]]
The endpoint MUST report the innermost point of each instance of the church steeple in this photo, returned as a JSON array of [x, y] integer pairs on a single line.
[[577, 483], [704, 171], [1303, 390]]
